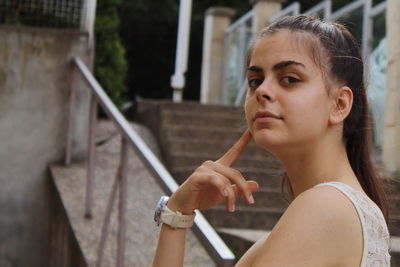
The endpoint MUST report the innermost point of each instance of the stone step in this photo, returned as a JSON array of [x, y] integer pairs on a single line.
[[393, 225], [211, 146], [393, 186], [270, 178], [188, 106], [191, 132], [264, 198], [221, 119], [196, 159], [268, 198], [394, 206], [395, 259], [240, 240], [244, 217]]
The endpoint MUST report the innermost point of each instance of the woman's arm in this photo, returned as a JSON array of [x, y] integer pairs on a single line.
[[210, 184], [170, 248], [171, 242]]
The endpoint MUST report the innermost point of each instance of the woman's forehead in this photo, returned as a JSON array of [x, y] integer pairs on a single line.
[[283, 46]]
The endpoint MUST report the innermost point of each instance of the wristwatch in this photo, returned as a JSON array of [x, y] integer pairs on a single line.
[[175, 219]]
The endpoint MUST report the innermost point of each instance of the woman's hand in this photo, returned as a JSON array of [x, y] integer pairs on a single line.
[[214, 182]]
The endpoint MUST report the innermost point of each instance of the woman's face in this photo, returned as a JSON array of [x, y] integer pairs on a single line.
[[287, 104]]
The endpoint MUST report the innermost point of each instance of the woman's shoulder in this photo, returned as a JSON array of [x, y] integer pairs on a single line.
[[330, 214], [322, 197], [326, 212], [326, 204], [319, 228]]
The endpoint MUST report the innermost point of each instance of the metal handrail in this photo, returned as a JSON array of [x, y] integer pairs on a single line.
[[241, 26], [367, 23], [238, 23], [325, 7], [242, 92], [378, 9], [216, 248], [347, 9], [292, 8]]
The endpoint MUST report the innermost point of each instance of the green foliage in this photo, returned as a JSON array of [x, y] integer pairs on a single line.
[[110, 63]]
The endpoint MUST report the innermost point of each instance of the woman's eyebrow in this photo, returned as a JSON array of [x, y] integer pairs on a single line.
[[277, 66], [255, 69], [284, 64]]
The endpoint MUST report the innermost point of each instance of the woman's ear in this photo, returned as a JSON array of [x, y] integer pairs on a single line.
[[342, 106]]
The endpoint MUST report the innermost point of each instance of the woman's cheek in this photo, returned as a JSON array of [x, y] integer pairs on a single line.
[[249, 125], [249, 120]]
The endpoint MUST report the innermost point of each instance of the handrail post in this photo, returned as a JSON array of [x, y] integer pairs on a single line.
[[225, 69], [182, 49], [263, 11], [71, 114], [91, 156], [366, 30], [123, 193], [106, 222], [215, 23], [242, 55]]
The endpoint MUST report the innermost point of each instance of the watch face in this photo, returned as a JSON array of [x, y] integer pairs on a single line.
[[157, 214]]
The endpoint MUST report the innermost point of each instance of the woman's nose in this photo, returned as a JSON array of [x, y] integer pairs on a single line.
[[264, 92]]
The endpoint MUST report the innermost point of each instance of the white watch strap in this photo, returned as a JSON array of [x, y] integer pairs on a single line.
[[176, 219]]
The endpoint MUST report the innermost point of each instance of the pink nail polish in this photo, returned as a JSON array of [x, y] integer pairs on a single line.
[[225, 192], [251, 199]]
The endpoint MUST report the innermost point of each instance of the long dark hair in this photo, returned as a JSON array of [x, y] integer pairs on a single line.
[[337, 53]]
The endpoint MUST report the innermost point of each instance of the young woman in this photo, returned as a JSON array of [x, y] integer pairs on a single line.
[[306, 104]]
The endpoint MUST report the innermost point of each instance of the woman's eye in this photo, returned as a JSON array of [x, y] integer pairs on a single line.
[[289, 80], [254, 83]]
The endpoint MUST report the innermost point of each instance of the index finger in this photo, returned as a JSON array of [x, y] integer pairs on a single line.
[[234, 152]]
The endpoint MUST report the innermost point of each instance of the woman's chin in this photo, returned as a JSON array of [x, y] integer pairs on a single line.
[[264, 139]]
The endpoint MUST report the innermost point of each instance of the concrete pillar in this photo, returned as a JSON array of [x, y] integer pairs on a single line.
[[263, 11], [391, 132], [217, 19], [34, 96]]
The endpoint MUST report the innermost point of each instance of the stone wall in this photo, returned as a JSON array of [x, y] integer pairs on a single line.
[[34, 94]]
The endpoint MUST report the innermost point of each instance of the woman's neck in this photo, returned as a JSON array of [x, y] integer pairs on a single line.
[[321, 162]]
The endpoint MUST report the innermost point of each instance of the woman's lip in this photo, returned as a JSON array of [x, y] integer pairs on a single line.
[[265, 119], [266, 116]]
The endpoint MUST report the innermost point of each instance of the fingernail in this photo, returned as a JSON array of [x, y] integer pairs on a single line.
[[225, 192], [251, 199], [233, 208]]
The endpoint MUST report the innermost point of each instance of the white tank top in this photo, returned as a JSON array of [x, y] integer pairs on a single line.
[[375, 231]]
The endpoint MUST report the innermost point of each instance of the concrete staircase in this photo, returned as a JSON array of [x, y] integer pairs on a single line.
[[190, 133]]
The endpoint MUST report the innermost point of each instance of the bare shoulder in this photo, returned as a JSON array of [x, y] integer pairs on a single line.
[[320, 228]]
